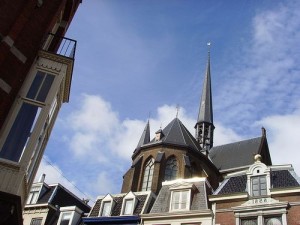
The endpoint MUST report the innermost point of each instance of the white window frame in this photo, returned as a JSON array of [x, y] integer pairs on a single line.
[[187, 202], [107, 199], [34, 194], [40, 120], [69, 214], [129, 197], [257, 170]]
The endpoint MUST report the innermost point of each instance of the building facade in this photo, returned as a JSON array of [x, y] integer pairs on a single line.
[[53, 205], [197, 183], [36, 65]]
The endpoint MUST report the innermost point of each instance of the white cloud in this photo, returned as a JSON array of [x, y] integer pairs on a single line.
[[54, 175], [283, 137]]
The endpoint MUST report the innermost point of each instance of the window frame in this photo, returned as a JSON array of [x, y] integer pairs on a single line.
[[34, 220], [171, 163], [39, 121], [187, 202], [147, 180], [34, 194], [130, 196]]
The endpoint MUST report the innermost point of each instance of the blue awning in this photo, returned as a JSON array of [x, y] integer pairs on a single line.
[[111, 220]]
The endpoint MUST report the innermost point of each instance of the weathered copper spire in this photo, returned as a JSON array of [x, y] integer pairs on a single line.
[[204, 126]]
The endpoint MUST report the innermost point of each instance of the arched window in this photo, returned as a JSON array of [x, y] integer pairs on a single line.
[[148, 175], [171, 169]]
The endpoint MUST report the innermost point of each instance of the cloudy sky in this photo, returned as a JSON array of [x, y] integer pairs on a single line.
[[137, 58]]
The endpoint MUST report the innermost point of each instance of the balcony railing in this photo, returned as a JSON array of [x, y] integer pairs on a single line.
[[60, 45]]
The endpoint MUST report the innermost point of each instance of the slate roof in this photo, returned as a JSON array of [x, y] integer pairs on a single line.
[[56, 194], [199, 198], [237, 154], [118, 199], [205, 110], [279, 179], [175, 133]]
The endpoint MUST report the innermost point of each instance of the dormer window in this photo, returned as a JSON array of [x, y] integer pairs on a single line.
[[106, 205], [128, 207], [258, 178], [181, 197], [180, 200], [259, 186], [129, 204], [106, 208], [33, 195]]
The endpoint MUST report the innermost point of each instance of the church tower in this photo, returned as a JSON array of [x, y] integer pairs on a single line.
[[204, 126]]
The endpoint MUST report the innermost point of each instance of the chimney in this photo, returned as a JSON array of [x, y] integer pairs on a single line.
[[42, 178]]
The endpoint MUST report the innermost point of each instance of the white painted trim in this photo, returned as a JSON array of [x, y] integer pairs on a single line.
[[5, 86]]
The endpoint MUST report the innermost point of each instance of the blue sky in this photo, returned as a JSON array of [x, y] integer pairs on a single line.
[[136, 58]]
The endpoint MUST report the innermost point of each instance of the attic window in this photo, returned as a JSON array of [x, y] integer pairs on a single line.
[[65, 218], [129, 204], [106, 208], [180, 200], [33, 195], [106, 205]]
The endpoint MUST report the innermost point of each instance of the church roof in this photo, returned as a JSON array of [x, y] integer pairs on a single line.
[[145, 138], [175, 133], [237, 154]]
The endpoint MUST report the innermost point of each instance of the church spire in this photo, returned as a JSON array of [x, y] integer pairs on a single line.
[[204, 126], [145, 138]]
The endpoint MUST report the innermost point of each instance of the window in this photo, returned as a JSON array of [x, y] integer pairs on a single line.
[[128, 207], [171, 169], [180, 200], [36, 221], [249, 221], [148, 175], [33, 195], [65, 218], [106, 208], [273, 221], [28, 114], [259, 186]]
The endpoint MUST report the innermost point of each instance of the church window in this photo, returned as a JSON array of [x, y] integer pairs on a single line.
[[180, 200], [259, 186], [148, 175], [171, 169]]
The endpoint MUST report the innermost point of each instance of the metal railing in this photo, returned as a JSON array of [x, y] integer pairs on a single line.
[[60, 45]]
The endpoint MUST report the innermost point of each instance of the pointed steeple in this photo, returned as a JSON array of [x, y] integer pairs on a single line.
[[204, 126], [145, 138]]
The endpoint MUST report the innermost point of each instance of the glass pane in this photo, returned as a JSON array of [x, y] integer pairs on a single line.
[[273, 221], [106, 209], [128, 206], [20, 132], [148, 175], [45, 88], [171, 169], [249, 222], [36, 221], [33, 90]]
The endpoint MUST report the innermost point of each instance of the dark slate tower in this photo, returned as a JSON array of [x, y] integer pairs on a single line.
[[204, 126]]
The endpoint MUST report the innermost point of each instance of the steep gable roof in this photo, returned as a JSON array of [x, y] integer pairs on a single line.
[[234, 155]]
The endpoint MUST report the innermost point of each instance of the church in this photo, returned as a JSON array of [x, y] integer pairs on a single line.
[[178, 178]]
